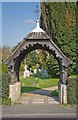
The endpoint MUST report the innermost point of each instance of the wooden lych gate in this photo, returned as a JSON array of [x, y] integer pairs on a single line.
[[37, 39]]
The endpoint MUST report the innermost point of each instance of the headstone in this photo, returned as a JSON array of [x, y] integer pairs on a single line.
[[35, 70], [30, 71], [44, 72], [26, 72], [39, 70]]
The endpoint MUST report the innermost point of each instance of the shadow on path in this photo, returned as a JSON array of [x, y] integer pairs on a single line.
[[34, 91]]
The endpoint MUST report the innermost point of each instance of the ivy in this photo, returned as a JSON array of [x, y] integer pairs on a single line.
[[72, 93], [5, 86], [61, 23]]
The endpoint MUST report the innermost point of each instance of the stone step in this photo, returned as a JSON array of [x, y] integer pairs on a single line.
[[38, 100]]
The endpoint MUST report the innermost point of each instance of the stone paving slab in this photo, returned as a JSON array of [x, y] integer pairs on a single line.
[[38, 99], [40, 96]]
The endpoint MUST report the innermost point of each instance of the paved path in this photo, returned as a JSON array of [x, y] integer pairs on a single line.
[[38, 104], [41, 96], [38, 99]]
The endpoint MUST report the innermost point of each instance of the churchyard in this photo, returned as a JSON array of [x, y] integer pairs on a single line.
[[39, 74], [36, 79], [32, 83]]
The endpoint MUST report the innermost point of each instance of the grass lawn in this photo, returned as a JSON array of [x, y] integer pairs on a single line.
[[33, 83]]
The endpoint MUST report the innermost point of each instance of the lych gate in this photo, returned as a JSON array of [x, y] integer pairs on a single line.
[[37, 39]]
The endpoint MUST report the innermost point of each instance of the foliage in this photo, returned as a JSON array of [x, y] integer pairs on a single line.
[[72, 90], [5, 89], [6, 101], [77, 39], [6, 52], [5, 86], [31, 59], [4, 78], [42, 57], [54, 93], [4, 69], [0, 86], [21, 69], [52, 65], [61, 24]]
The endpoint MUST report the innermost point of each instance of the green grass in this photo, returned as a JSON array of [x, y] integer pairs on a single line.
[[33, 83], [36, 82], [28, 89]]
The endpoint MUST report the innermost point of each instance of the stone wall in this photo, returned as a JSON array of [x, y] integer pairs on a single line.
[[15, 91], [62, 93]]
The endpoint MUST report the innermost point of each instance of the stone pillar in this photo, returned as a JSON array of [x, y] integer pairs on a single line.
[[13, 78], [14, 91], [15, 86], [12, 73], [63, 75], [62, 85], [62, 93]]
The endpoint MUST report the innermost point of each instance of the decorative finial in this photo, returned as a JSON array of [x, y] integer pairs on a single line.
[[37, 11]]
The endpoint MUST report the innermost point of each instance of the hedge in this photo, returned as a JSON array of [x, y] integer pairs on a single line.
[[72, 90], [0, 87], [5, 89], [5, 86]]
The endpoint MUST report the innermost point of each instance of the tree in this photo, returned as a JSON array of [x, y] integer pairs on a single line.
[[31, 60], [61, 24], [6, 52], [52, 66], [42, 57]]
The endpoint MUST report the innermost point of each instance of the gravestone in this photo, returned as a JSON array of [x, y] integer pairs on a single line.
[[30, 71], [26, 72], [44, 72], [37, 70]]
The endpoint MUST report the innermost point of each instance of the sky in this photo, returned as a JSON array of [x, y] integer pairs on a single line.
[[18, 19]]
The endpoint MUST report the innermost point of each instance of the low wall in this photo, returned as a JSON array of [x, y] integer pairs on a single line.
[[62, 93], [15, 91]]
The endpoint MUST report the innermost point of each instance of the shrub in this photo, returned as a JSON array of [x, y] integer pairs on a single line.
[[54, 93], [5, 86], [0, 87], [4, 69], [72, 90], [6, 101]]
